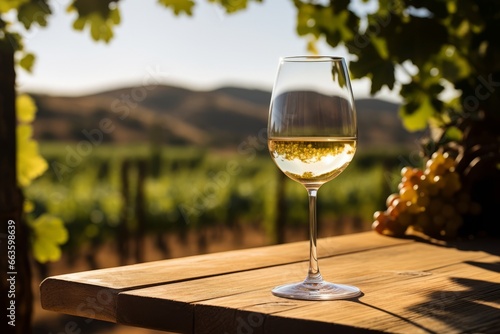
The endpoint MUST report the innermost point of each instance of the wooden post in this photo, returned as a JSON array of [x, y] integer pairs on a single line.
[[11, 204]]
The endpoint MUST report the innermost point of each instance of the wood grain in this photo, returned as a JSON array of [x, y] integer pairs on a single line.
[[390, 278], [84, 293], [408, 287]]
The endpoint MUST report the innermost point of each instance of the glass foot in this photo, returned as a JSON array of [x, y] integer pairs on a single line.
[[316, 291]]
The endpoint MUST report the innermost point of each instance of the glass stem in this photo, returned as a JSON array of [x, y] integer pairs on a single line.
[[313, 276]]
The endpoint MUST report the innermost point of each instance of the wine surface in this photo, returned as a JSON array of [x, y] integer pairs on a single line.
[[312, 160]]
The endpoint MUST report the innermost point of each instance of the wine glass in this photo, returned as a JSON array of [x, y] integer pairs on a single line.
[[312, 135]]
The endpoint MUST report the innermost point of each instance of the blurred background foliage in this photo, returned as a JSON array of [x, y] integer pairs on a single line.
[[191, 190]]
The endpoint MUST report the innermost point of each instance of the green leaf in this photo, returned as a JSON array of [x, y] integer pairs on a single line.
[[114, 16], [180, 6], [336, 23], [416, 114], [11, 41], [312, 46], [49, 233], [232, 6], [410, 39], [45, 251], [25, 108], [380, 45], [371, 65], [452, 64], [87, 7], [453, 134], [28, 206], [27, 62], [382, 75], [7, 5], [79, 23], [30, 164], [305, 21], [100, 17], [35, 11]]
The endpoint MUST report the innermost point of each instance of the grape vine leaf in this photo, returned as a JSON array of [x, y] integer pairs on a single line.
[[33, 11], [453, 134], [372, 65], [27, 61], [49, 233], [232, 6], [179, 6], [7, 5], [30, 164], [100, 17], [416, 113], [26, 109]]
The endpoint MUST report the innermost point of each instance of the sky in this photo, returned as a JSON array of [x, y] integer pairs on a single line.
[[151, 45]]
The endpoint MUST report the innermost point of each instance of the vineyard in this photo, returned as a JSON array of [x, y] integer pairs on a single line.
[[117, 193]]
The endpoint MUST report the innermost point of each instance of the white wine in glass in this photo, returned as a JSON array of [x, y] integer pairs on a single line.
[[312, 135]]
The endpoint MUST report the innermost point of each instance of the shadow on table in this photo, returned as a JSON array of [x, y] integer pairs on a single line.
[[488, 245], [461, 309], [408, 321], [478, 305]]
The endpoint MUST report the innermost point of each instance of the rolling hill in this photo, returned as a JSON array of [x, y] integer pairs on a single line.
[[223, 117]]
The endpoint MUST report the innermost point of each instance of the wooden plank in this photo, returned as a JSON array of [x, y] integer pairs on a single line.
[[437, 303], [394, 301], [230, 297], [93, 293]]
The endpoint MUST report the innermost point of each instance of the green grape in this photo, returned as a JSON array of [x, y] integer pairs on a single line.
[[380, 222], [406, 171], [435, 206], [423, 200], [439, 182], [408, 194], [414, 208], [449, 164], [448, 211], [422, 184], [431, 167], [452, 180], [409, 172], [390, 199], [376, 214], [405, 218], [394, 228], [396, 208], [429, 201], [432, 189], [437, 157], [439, 220]]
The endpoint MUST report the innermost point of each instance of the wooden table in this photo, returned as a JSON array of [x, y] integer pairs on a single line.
[[408, 287]]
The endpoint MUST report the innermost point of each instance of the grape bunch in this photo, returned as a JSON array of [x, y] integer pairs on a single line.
[[431, 201]]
